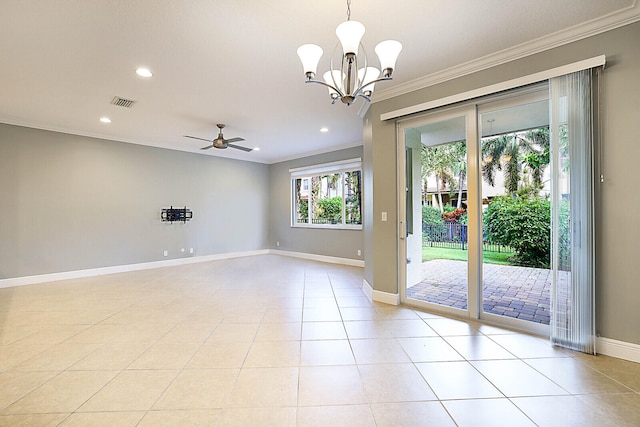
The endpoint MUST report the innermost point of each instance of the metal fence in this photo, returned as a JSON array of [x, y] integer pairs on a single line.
[[334, 221], [453, 235]]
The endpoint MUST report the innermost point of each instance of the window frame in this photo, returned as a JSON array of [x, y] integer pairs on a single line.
[[308, 172]]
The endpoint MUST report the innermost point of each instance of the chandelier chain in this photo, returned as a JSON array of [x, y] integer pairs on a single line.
[[348, 10]]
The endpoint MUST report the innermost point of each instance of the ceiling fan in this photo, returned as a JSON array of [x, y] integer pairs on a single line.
[[220, 142]]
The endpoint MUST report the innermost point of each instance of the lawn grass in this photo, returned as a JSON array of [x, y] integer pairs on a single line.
[[429, 254]]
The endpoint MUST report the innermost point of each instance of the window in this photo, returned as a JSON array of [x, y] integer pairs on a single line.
[[327, 195]]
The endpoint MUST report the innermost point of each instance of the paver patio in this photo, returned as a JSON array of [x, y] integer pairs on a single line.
[[519, 292]]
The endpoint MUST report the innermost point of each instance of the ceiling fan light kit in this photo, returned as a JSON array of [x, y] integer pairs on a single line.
[[354, 77]]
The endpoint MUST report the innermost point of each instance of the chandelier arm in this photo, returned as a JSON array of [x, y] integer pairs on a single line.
[[333, 77], [362, 95], [361, 88], [325, 84]]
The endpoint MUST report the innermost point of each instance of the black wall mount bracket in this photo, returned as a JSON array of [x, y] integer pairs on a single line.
[[176, 214]]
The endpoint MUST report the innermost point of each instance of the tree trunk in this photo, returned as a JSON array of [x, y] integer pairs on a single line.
[[439, 195], [461, 178], [425, 194]]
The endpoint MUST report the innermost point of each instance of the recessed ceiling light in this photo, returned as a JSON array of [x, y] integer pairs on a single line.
[[144, 72], [256, 148], [324, 129], [105, 119]]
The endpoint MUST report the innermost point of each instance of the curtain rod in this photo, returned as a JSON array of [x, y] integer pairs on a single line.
[[498, 87]]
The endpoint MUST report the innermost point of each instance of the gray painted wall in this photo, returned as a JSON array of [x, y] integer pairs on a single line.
[[72, 203], [618, 236], [335, 243]]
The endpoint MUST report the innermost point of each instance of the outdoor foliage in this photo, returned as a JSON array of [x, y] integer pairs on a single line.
[[432, 224], [521, 156], [453, 215], [303, 210], [322, 199], [353, 196], [330, 208], [448, 165], [431, 215], [524, 225]]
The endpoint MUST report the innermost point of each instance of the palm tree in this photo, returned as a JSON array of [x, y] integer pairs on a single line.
[[459, 166], [517, 153], [445, 162], [436, 161]]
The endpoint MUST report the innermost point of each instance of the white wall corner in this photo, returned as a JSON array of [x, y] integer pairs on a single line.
[[618, 349], [379, 296], [367, 289]]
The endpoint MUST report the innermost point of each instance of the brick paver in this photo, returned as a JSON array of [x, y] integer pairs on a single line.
[[519, 292]]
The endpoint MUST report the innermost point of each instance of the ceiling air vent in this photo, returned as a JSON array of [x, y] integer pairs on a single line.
[[122, 102]]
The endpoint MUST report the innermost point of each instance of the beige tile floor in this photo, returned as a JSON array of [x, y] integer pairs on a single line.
[[276, 341]]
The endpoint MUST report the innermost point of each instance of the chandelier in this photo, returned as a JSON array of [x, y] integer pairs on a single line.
[[354, 77]]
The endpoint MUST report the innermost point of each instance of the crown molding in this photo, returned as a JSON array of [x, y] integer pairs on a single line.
[[600, 25]]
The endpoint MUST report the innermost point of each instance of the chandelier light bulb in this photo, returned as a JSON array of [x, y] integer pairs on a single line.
[[334, 78], [310, 55], [388, 52], [350, 33], [366, 76]]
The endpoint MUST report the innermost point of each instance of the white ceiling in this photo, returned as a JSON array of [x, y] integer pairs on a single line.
[[235, 62]]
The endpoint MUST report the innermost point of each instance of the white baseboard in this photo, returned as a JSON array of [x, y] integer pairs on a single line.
[[65, 275], [320, 258], [618, 349], [379, 296]]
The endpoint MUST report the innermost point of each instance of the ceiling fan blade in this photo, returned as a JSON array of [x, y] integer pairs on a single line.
[[234, 140], [195, 137], [207, 147], [237, 147]]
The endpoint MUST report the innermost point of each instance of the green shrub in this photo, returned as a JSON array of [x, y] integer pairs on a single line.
[[433, 227], [524, 225], [330, 208], [431, 215], [303, 210]]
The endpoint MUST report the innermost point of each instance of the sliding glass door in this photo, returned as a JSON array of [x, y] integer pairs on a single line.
[[496, 207], [474, 181], [438, 232], [515, 189]]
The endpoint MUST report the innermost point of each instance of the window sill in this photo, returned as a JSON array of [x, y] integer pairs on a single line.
[[328, 226]]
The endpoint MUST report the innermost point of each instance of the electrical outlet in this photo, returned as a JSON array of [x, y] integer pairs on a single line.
[[359, 252], [191, 250], [166, 253], [182, 250], [278, 243], [384, 216]]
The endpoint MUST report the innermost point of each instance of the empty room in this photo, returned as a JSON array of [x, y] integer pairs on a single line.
[[244, 213]]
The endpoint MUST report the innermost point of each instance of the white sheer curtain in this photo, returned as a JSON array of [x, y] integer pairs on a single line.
[[573, 248]]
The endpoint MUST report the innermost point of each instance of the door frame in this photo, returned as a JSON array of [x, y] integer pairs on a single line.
[[473, 217], [472, 111]]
